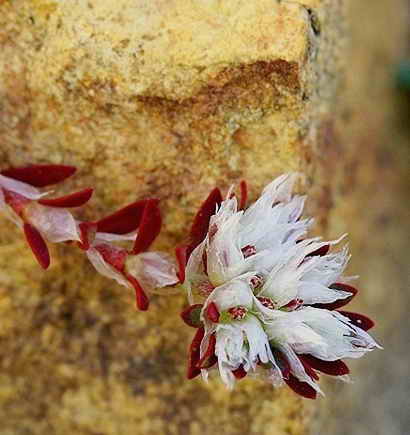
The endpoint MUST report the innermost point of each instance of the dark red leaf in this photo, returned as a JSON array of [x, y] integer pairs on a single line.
[[308, 369], [282, 362], [76, 199], [209, 358], [244, 194], [123, 221], [149, 228], [181, 256], [301, 388], [87, 234], [37, 245], [141, 299], [200, 225], [113, 255], [359, 320], [341, 302], [321, 251], [239, 373], [332, 368], [40, 175], [212, 312], [194, 354], [191, 315]]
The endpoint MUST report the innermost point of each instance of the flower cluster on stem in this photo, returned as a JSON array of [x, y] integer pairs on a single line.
[[264, 297]]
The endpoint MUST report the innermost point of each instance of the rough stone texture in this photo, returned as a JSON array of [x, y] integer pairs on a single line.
[[165, 98]]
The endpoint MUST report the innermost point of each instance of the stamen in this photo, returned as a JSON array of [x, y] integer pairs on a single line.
[[256, 282], [248, 251], [267, 302], [238, 313]]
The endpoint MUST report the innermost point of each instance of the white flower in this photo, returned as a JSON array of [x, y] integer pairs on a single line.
[[269, 294]]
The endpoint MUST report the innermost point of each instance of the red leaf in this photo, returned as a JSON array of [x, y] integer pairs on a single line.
[[200, 225], [332, 368], [301, 388], [40, 175], [244, 194], [240, 372], [16, 201], [212, 312], [141, 298], [123, 221], [191, 315], [37, 245], [359, 320], [321, 251], [209, 358], [341, 302], [113, 255], [194, 354], [282, 362], [76, 199], [149, 228], [308, 369], [181, 255]]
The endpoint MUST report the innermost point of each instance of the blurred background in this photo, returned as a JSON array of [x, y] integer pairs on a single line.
[[375, 210]]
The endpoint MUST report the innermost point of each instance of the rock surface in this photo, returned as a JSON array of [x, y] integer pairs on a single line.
[[164, 98]]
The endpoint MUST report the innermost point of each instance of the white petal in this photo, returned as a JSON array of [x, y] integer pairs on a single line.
[[232, 294], [314, 293], [55, 224], [232, 350], [109, 237], [21, 188], [104, 268], [194, 271], [152, 269], [324, 334]]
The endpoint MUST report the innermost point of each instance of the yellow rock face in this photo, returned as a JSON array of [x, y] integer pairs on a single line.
[[162, 98]]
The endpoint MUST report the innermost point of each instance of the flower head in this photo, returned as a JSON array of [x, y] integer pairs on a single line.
[[271, 293], [41, 218], [139, 223]]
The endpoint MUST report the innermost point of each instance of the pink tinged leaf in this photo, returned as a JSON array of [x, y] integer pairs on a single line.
[[123, 221], [141, 299], [200, 225], [40, 175], [332, 368], [359, 320], [37, 245], [181, 256], [113, 255], [320, 252], [76, 199], [301, 388], [240, 372], [194, 354], [149, 228], [244, 194], [16, 201], [212, 312], [341, 302], [209, 358], [192, 315], [87, 233]]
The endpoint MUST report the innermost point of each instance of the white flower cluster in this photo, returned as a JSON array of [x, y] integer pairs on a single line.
[[269, 295]]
